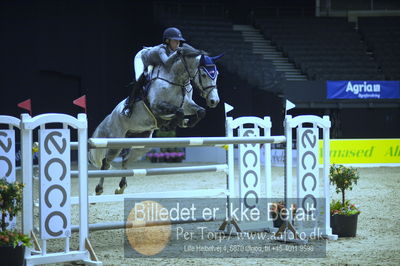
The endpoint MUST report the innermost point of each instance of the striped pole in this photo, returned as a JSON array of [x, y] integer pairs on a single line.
[[155, 171], [193, 193], [118, 143], [141, 224], [74, 145]]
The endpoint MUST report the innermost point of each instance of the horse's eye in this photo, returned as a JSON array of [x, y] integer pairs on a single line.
[[203, 75]]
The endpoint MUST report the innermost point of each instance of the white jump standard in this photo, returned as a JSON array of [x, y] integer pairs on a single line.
[[55, 150]]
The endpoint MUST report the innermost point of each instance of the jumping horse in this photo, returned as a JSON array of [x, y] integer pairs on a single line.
[[167, 102]]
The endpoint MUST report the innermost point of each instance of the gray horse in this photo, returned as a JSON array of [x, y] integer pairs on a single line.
[[168, 101]]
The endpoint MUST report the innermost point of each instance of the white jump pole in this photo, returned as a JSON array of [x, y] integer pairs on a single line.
[[83, 183], [326, 145], [155, 171], [139, 224], [196, 193], [117, 143], [27, 173]]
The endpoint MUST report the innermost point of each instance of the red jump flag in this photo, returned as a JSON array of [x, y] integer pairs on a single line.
[[27, 105], [81, 102]]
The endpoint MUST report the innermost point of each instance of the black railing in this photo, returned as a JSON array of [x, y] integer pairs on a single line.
[[265, 11], [232, 12], [188, 9]]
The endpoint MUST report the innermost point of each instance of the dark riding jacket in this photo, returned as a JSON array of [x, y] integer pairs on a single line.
[[157, 55]]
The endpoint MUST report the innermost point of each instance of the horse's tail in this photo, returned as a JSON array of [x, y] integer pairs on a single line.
[[105, 130], [95, 156]]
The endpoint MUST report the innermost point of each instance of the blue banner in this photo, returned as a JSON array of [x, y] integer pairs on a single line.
[[363, 89]]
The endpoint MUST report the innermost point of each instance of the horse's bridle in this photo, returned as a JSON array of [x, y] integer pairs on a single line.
[[205, 91]]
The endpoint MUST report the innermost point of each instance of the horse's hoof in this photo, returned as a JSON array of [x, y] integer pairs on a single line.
[[99, 190], [119, 191]]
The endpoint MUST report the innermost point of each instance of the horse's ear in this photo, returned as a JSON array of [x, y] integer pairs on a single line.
[[215, 58], [202, 62]]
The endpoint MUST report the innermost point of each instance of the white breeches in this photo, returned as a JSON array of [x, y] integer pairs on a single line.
[[139, 66]]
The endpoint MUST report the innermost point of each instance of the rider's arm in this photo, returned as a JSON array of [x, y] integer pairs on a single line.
[[167, 60]]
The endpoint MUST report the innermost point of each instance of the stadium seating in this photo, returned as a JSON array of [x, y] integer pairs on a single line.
[[382, 36], [323, 48]]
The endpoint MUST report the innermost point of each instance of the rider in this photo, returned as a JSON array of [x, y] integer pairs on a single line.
[[166, 53]]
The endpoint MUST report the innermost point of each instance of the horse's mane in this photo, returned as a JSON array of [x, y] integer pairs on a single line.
[[190, 51]]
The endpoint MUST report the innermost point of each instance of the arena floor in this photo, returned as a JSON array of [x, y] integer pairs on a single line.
[[376, 241]]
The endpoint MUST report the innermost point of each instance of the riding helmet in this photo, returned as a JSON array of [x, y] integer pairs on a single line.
[[173, 34]]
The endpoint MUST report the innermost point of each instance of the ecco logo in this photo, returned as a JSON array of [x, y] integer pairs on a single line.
[[54, 157], [250, 171], [7, 163], [5, 149], [308, 166]]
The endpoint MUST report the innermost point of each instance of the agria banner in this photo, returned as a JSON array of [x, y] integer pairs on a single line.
[[363, 89]]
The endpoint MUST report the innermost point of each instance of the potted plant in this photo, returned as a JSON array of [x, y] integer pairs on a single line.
[[344, 214], [12, 242]]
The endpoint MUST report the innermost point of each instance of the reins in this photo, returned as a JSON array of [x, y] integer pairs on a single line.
[[182, 86], [203, 90]]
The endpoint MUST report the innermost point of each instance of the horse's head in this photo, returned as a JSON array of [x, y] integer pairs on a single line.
[[206, 79], [202, 72]]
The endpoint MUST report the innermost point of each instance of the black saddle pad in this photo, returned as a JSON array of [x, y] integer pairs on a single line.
[[141, 93]]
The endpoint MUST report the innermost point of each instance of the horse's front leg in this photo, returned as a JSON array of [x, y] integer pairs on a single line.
[[194, 119], [193, 111], [105, 165], [164, 110], [176, 121], [171, 115]]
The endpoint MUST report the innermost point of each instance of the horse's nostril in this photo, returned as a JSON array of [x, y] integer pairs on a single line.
[[212, 102]]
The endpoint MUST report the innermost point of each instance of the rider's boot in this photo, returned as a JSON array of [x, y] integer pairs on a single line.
[[127, 111]]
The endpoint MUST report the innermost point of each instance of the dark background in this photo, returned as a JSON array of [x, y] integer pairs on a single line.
[[56, 51]]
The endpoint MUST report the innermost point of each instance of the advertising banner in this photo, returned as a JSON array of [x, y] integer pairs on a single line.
[[363, 90], [363, 151]]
